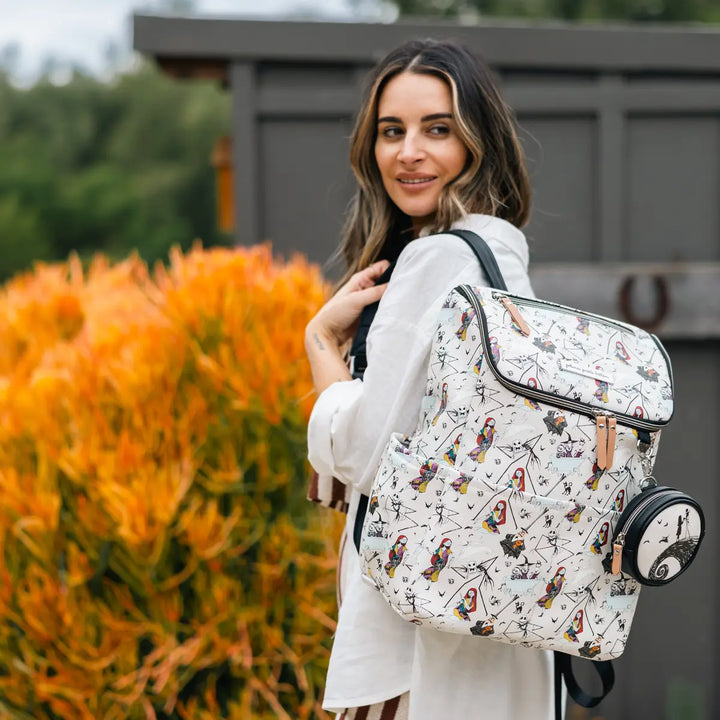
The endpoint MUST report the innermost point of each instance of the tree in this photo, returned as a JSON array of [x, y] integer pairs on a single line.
[[107, 166], [10, 57], [629, 10]]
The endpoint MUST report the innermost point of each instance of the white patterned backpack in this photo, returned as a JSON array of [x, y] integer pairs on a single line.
[[522, 509]]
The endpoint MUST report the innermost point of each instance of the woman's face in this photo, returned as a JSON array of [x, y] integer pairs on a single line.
[[418, 150]]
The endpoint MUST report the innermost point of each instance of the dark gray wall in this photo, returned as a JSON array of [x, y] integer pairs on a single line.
[[622, 132]]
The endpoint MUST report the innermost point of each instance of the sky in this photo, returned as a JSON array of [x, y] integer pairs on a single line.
[[81, 31]]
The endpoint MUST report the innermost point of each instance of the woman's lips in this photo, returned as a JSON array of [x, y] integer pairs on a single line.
[[416, 183]]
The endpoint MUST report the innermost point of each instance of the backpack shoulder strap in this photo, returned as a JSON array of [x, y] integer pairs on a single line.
[[484, 255], [563, 671], [487, 262], [358, 350]]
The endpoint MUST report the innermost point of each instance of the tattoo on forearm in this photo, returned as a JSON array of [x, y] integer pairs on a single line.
[[318, 341]]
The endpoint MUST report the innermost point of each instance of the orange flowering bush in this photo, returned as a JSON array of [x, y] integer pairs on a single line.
[[157, 556]]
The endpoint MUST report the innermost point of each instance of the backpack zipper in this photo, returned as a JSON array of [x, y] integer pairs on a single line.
[[563, 403], [504, 298], [606, 424], [518, 319], [499, 295]]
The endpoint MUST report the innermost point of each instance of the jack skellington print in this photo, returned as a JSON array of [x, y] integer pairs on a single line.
[[507, 538]]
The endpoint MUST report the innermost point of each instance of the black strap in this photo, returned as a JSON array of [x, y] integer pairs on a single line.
[[557, 681], [361, 512], [564, 671], [484, 255], [358, 352]]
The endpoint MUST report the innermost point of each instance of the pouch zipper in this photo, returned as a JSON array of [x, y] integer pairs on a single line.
[[617, 551], [619, 541], [564, 403]]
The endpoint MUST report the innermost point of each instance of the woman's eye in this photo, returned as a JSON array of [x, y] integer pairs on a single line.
[[439, 130], [392, 132]]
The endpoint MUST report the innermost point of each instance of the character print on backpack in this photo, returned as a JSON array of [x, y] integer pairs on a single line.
[[538, 426]]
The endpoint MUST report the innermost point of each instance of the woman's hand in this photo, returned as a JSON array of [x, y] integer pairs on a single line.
[[337, 319], [335, 324]]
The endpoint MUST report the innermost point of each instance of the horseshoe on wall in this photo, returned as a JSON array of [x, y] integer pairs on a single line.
[[662, 302]]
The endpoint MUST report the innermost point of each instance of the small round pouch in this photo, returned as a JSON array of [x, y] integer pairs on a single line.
[[657, 535]]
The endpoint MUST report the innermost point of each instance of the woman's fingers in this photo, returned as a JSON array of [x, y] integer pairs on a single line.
[[376, 269], [339, 316], [371, 294], [365, 278]]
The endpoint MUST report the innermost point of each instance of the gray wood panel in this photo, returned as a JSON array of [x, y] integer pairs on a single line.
[[673, 170], [307, 91], [611, 197], [689, 310], [246, 166], [562, 161], [305, 185], [575, 96]]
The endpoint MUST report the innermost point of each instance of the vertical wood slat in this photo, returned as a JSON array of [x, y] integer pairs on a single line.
[[245, 152], [611, 176]]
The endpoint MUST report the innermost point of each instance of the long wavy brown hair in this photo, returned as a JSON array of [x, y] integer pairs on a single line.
[[494, 180]]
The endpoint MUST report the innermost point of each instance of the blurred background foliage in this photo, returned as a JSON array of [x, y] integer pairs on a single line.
[[107, 166], [623, 10], [112, 165]]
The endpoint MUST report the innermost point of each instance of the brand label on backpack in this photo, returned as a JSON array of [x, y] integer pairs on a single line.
[[596, 373]]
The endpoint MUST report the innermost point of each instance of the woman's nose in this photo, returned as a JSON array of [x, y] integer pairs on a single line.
[[411, 149]]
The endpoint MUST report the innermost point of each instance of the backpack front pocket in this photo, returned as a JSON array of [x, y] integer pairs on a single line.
[[497, 563]]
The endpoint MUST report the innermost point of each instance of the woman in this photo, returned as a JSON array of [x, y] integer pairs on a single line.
[[434, 148]]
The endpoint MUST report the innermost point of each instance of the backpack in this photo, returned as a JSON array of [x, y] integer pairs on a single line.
[[523, 508]]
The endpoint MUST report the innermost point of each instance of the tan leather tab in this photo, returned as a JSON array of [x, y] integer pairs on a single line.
[[616, 559], [518, 319], [612, 435], [601, 422]]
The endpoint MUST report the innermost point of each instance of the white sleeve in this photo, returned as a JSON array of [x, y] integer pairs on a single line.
[[352, 421]]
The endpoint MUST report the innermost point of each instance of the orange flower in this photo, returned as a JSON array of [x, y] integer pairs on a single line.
[[154, 538]]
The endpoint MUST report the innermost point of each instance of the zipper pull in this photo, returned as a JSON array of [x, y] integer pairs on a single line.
[[617, 554], [612, 435], [602, 438], [515, 315]]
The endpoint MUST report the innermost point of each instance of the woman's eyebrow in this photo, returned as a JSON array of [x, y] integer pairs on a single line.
[[426, 118], [437, 116]]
